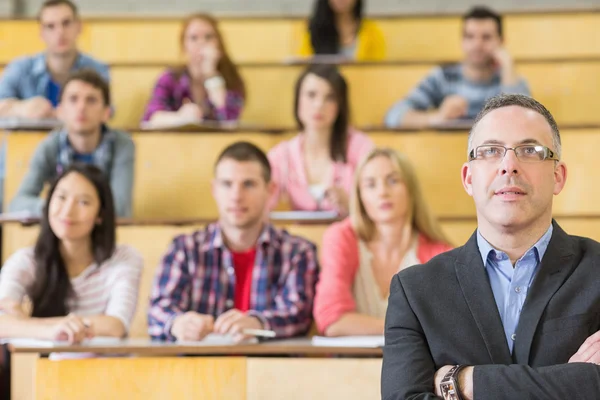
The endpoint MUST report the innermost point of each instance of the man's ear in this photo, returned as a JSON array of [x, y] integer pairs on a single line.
[[467, 178], [59, 111], [272, 188], [107, 114], [560, 177]]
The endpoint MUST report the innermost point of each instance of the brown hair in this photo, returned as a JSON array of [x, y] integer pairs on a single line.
[[227, 69], [423, 220], [482, 12], [91, 77], [54, 3], [246, 151], [339, 136], [520, 100]]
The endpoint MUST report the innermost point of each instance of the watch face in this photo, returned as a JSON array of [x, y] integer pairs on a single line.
[[449, 391]]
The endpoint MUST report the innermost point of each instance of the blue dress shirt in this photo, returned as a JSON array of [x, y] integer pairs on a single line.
[[510, 285]]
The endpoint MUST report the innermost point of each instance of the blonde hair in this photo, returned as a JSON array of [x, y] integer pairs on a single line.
[[423, 221]]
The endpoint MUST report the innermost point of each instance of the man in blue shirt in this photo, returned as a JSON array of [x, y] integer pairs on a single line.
[[514, 313], [30, 86]]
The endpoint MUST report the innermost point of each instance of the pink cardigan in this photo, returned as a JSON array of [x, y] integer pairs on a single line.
[[339, 265], [289, 174]]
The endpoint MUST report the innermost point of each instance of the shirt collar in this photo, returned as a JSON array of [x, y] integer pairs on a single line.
[[39, 64], [485, 248], [267, 236], [64, 135]]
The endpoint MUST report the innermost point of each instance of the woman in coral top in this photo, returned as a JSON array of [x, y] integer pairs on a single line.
[[390, 228], [314, 170]]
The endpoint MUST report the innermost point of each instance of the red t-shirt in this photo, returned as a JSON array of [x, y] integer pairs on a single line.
[[243, 264]]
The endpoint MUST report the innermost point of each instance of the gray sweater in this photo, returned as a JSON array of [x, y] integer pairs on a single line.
[[449, 80], [43, 168]]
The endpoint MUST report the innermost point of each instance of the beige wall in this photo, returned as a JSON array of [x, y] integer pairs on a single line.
[[290, 7]]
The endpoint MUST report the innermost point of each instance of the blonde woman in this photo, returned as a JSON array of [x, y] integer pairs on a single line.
[[389, 228]]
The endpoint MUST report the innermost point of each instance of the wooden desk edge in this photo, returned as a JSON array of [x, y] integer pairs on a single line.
[[172, 350]]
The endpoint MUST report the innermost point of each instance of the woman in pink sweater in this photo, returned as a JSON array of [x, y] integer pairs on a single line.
[[390, 228], [314, 170]]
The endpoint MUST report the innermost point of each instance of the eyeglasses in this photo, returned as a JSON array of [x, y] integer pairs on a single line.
[[524, 153]]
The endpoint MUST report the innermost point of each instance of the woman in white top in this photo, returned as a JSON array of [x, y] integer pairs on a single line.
[[79, 283]]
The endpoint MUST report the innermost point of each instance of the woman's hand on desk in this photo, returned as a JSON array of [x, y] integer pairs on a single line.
[[71, 328], [190, 111], [338, 198], [192, 326]]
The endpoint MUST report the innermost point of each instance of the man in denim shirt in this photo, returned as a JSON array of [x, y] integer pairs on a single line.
[[84, 110], [30, 86]]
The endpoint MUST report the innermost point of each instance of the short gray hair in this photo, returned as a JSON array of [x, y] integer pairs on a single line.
[[506, 100]]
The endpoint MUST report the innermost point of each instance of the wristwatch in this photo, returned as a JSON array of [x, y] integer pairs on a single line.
[[449, 385]]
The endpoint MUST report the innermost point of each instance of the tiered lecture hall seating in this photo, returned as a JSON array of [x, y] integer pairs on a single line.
[[559, 54]]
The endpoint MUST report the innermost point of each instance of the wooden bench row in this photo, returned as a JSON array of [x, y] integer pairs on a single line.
[[568, 90], [538, 36], [168, 164]]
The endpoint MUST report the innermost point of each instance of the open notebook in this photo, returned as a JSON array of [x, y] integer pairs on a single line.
[[349, 341]]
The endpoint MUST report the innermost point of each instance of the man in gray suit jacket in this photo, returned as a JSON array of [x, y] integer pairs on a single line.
[[505, 316]]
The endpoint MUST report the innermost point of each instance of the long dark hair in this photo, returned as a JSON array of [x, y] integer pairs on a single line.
[[53, 288], [339, 135], [324, 36]]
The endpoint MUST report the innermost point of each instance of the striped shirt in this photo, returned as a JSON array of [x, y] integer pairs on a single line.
[[197, 274], [171, 90], [109, 289], [446, 81]]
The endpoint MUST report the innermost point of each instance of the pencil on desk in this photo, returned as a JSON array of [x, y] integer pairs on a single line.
[[259, 332]]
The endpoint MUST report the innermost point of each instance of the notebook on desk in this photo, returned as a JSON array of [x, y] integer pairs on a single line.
[[303, 215], [28, 342], [214, 339], [349, 341], [190, 126], [16, 123]]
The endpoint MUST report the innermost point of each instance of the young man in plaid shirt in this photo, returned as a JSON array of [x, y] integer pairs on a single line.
[[239, 272]]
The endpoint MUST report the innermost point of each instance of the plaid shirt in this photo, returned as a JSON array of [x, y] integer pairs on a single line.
[[170, 91], [197, 274]]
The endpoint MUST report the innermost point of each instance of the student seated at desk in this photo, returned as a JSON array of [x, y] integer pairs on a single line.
[[79, 283], [314, 170], [337, 27], [240, 272], [30, 86], [84, 108], [390, 228], [459, 91], [207, 88]]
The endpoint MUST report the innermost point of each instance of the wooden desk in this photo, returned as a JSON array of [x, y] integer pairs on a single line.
[[287, 369]]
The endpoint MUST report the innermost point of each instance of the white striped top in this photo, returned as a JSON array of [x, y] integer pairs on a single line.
[[109, 289]]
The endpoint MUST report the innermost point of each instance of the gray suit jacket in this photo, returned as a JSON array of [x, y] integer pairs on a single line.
[[443, 313]]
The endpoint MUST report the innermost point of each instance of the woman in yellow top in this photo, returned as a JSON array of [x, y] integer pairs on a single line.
[[337, 28]]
